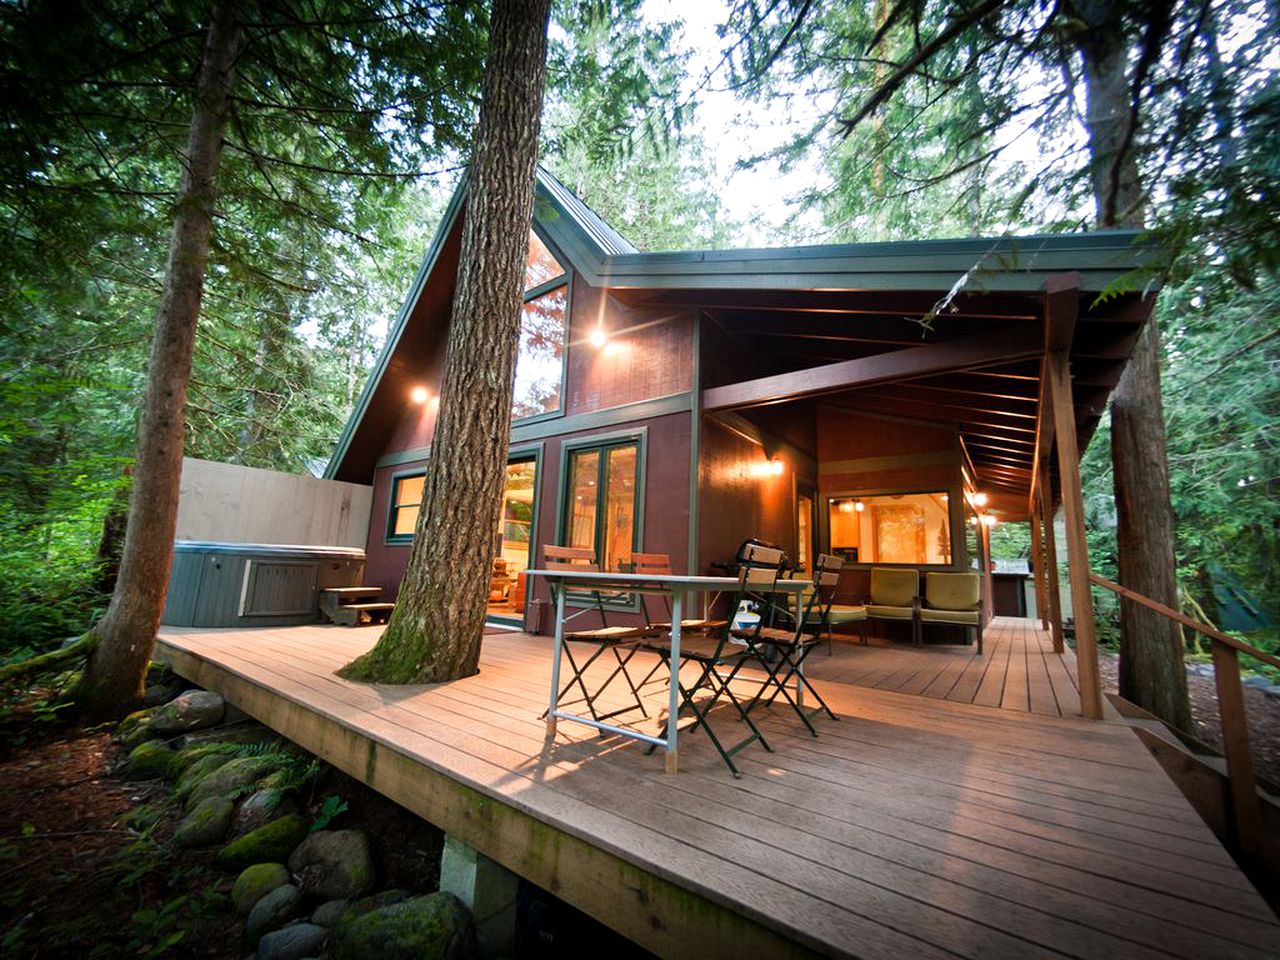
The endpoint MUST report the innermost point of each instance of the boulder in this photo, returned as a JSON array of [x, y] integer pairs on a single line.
[[333, 864], [206, 825], [191, 772], [377, 901], [260, 807], [273, 911], [434, 927], [330, 912], [256, 882], [231, 777], [152, 760], [193, 710], [294, 942], [161, 693], [135, 728], [271, 843]]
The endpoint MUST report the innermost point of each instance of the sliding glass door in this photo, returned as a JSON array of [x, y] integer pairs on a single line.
[[513, 544]]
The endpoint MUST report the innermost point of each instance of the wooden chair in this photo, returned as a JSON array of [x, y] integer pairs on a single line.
[[954, 599], [659, 564], [895, 595], [613, 639], [782, 652]]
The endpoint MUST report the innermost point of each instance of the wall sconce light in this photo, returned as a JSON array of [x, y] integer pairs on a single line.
[[420, 395], [598, 337], [776, 467]]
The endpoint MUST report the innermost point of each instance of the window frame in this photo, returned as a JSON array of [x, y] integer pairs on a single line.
[[639, 437], [955, 495], [391, 537], [525, 451], [533, 293]]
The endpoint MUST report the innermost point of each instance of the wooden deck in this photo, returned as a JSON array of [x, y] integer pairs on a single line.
[[1017, 671], [914, 827]]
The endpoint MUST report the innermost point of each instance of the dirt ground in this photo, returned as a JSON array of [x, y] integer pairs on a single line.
[[84, 869], [1263, 712]]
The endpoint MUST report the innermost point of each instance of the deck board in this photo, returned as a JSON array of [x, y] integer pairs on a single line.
[[913, 826]]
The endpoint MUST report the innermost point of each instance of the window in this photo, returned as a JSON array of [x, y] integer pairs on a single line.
[[891, 528], [543, 331], [406, 501], [600, 506]]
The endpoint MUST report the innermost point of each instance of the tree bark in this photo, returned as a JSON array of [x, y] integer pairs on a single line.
[[436, 628], [125, 636], [1152, 673]]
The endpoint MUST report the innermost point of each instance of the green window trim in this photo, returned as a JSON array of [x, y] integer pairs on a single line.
[[395, 506]]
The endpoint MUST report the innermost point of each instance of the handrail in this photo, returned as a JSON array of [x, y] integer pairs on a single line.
[[1186, 621], [1231, 714]]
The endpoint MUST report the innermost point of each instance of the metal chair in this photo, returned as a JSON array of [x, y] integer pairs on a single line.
[[603, 638], [711, 652], [782, 651]]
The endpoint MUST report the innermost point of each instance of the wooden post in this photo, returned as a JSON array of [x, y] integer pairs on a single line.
[[1051, 582], [1235, 744], [1037, 568], [1058, 374]]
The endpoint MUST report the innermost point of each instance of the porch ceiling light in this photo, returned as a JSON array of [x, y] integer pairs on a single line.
[[980, 499], [419, 395], [989, 519]]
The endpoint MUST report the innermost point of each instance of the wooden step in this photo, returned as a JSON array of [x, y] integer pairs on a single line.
[[370, 607]]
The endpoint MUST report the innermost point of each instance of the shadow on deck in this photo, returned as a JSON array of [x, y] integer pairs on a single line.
[[913, 827]]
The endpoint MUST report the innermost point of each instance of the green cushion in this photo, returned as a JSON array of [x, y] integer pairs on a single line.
[[894, 588], [952, 591], [843, 613], [964, 617], [883, 612]]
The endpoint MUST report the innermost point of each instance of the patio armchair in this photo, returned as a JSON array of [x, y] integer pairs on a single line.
[[895, 595], [954, 599], [604, 638]]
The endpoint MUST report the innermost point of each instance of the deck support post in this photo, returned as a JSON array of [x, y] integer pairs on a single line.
[[488, 890], [1037, 568], [1058, 374], [1052, 586]]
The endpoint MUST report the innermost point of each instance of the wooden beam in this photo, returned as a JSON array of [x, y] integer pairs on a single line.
[[1058, 378], [1061, 307], [1037, 567], [932, 358], [1052, 582]]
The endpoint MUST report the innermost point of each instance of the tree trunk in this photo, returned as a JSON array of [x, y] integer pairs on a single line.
[[125, 636], [435, 631], [1152, 674]]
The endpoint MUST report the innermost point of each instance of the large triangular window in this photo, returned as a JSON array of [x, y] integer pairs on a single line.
[[543, 332]]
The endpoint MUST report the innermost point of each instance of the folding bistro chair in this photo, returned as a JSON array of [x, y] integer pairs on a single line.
[[659, 565], [603, 638], [782, 652], [711, 652]]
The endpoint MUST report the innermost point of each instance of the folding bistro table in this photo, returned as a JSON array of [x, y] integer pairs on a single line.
[[673, 586]]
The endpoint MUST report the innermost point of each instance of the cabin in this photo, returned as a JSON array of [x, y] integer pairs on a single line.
[[880, 402], [884, 403]]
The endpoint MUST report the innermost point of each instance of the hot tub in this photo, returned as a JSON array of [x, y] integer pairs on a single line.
[[214, 584]]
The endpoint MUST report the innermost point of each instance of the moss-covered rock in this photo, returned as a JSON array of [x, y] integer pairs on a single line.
[[135, 728], [189, 756], [256, 882], [273, 911], [206, 825], [268, 844], [193, 710], [333, 864], [229, 778], [152, 760], [193, 773], [434, 927]]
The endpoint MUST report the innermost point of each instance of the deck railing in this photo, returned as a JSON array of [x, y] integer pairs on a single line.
[[1226, 651]]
